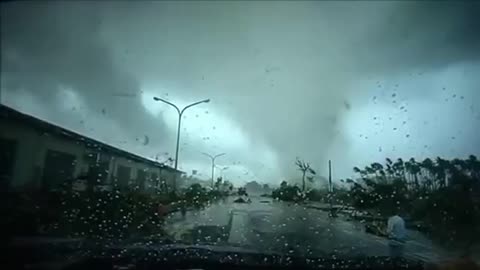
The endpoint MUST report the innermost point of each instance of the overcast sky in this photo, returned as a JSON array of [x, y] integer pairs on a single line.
[[354, 82]]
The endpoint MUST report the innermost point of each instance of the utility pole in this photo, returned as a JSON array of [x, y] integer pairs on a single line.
[[330, 188]]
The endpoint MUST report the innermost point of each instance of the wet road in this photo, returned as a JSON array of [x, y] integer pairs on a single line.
[[268, 225]]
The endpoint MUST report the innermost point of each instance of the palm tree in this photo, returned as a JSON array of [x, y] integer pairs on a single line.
[[473, 165], [414, 170], [408, 170], [427, 165], [389, 161], [458, 165], [378, 168], [369, 170], [441, 166], [359, 171], [399, 168], [389, 170], [304, 167]]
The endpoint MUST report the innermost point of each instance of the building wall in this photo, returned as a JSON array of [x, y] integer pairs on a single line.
[[31, 152], [32, 147], [134, 167]]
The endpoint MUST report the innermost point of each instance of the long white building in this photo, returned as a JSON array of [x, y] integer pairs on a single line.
[[40, 155]]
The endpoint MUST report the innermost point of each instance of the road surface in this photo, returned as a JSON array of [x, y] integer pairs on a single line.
[[269, 225]]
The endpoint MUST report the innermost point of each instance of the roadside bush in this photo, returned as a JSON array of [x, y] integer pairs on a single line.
[[288, 193], [316, 195]]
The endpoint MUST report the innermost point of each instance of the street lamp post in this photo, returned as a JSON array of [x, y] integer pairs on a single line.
[[213, 164], [180, 113], [222, 169]]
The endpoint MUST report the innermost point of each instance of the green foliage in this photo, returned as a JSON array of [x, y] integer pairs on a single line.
[[196, 195], [99, 215], [317, 195], [442, 193], [288, 193]]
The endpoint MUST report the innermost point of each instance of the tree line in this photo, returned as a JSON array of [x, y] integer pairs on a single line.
[[440, 196]]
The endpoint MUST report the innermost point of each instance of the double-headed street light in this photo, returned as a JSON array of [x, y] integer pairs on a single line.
[[222, 168], [213, 164], [180, 113]]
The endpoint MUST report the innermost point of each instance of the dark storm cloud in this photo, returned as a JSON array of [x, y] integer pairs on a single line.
[[424, 35], [46, 46]]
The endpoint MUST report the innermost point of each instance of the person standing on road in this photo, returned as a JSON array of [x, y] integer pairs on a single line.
[[397, 235]]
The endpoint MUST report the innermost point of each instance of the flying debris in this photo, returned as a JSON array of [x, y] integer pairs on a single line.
[[146, 140]]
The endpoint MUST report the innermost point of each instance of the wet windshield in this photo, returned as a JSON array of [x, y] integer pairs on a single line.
[[314, 129]]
